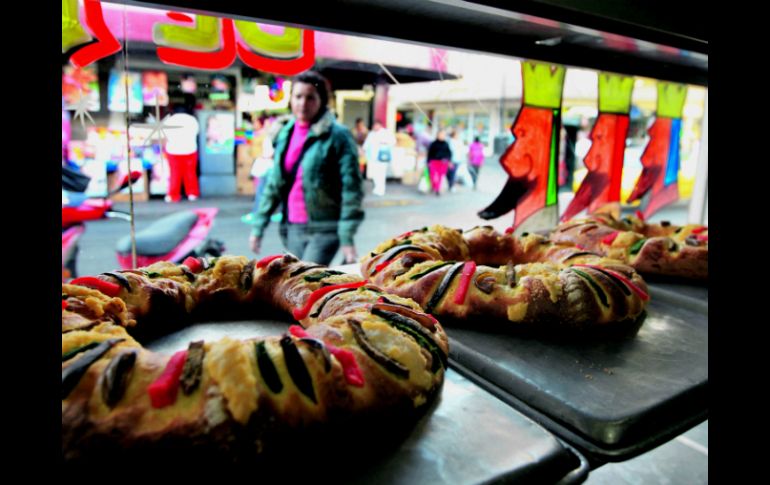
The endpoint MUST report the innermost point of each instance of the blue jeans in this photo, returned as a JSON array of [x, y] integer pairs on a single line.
[[310, 244]]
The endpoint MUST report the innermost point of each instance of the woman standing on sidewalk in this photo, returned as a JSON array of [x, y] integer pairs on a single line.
[[316, 180], [439, 157], [475, 159]]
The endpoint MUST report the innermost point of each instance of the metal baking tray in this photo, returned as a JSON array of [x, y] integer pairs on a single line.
[[693, 294], [467, 437], [612, 395]]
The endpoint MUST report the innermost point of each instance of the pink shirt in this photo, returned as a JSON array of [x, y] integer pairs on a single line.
[[476, 153], [296, 204]]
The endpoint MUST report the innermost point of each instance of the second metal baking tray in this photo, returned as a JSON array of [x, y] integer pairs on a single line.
[[615, 395]]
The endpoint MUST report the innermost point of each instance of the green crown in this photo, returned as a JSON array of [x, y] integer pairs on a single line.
[[671, 98], [543, 84], [615, 93]]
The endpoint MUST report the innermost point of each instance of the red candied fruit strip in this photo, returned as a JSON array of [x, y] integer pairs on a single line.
[[109, 289], [642, 294], [267, 260], [164, 389], [194, 264], [610, 238], [699, 230], [346, 358], [300, 313], [462, 288]]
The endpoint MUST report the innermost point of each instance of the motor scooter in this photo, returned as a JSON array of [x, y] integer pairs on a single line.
[[77, 209], [173, 238]]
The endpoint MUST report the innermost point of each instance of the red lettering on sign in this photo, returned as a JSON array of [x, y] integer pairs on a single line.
[[106, 44]]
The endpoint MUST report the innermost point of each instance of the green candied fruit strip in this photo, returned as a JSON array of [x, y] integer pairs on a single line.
[[637, 246], [594, 285]]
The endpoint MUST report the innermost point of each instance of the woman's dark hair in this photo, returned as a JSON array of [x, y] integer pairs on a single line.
[[475, 138], [320, 84]]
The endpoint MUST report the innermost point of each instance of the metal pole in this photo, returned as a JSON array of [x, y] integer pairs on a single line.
[[697, 213]]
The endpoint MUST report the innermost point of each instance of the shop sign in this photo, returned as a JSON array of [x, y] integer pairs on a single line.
[[200, 42]]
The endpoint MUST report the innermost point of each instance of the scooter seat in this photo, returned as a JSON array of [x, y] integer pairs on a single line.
[[162, 236]]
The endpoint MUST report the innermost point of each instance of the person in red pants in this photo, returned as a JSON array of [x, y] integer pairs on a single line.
[[182, 154], [439, 158]]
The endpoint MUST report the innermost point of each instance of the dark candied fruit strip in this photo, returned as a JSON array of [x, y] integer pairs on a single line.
[[424, 319], [634, 287], [346, 358], [485, 282], [297, 368], [619, 283], [247, 276], [578, 253], [416, 331], [387, 256], [193, 368], [443, 287], [267, 369], [304, 269], [302, 312], [315, 277], [116, 376], [72, 353], [599, 291], [188, 274], [71, 375], [121, 279], [430, 270], [315, 344], [389, 364], [326, 300]]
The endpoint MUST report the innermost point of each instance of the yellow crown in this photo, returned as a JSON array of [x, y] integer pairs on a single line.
[[543, 84], [615, 93], [671, 98]]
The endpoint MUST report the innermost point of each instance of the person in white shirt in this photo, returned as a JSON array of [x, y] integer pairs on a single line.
[[379, 152], [181, 151]]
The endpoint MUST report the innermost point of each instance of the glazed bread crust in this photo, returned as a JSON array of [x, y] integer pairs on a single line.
[[349, 360]]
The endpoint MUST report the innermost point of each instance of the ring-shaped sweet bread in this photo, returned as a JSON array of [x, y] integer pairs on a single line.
[[482, 274], [650, 248], [358, 353]]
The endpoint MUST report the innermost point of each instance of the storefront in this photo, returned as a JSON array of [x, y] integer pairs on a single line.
[[501, 405]]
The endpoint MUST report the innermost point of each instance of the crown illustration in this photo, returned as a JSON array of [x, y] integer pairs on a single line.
[[671, 98], [543, 84], [615, 93]]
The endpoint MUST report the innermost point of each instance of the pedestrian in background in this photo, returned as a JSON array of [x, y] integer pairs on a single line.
[[360, 131], [457, 166], [439, 157], [378, 147], [181, 150], [475, 159], [316, 179]]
